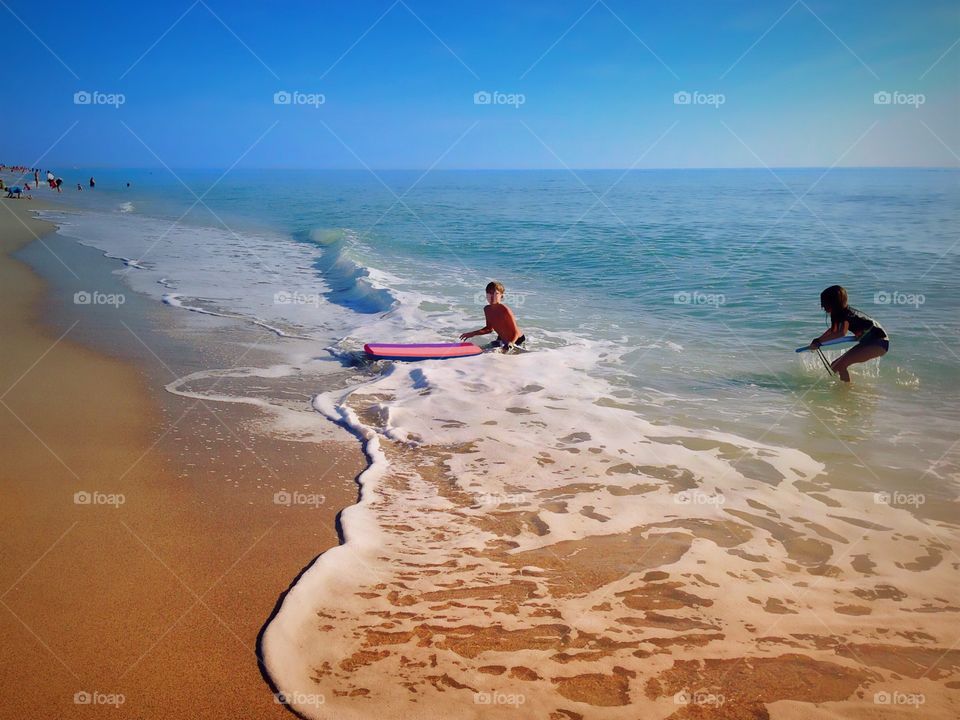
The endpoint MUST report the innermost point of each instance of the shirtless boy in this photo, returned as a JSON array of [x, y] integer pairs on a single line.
[[499, 319]]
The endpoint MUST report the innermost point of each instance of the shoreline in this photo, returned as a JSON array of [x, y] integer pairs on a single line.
[[630, 622], [158, 598], [544, 571]]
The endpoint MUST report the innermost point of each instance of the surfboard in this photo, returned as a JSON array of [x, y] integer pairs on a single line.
[[829, 343], [420, 351]]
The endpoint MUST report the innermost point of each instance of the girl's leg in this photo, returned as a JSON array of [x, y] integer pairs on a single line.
[[859, 354]]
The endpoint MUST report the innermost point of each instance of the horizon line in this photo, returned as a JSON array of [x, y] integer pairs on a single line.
[[516, 169]]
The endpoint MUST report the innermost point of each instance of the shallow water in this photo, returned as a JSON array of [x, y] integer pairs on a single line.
[[662, 407], [693, 285]]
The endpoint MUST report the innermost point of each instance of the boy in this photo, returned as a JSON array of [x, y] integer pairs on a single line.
[[499, 319]]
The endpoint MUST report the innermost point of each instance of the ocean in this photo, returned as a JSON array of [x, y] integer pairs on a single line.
[[660, 396]]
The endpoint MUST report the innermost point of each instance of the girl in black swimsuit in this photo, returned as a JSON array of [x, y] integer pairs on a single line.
[[873, 339]]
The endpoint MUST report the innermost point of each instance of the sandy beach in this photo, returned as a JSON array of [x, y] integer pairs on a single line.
[[145, 592], [736, 591], [528, 541], [417, 360]]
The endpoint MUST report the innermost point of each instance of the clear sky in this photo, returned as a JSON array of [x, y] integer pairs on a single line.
[[581, 83]]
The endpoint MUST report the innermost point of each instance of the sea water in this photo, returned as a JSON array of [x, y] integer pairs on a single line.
[[660, 386], [694, 286]]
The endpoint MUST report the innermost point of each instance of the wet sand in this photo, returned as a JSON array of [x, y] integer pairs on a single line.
[[793, 600], [151, 588], [832, 606]]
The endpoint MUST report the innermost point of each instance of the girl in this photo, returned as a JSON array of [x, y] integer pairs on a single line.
[[873, 339]]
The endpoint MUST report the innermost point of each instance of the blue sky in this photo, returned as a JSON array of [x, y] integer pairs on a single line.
[[777, 83]]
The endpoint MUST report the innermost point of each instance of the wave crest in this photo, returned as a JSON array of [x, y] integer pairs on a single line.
[[348, 279]]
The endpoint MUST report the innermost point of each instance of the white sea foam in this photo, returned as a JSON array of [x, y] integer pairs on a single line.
[[175, 300], [291, 423], [521, 430], [539, 436], [258, 276]]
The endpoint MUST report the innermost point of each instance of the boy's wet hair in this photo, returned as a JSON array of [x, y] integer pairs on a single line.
[[495, 286]]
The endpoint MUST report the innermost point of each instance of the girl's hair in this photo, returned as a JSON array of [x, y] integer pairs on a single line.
[[495, 286], [834, 300]]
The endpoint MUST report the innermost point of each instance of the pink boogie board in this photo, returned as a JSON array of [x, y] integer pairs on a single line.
[[421, 351]]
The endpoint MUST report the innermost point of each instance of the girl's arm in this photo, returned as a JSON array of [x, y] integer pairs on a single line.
[[837, 330]]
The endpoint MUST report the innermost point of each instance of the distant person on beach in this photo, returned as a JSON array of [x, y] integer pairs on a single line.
[[79, 187], [873, 340], [93, 183], [36, 178], [58, 183], [499, 319]]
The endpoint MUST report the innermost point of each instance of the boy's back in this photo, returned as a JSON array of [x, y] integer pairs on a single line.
[[501, 319]]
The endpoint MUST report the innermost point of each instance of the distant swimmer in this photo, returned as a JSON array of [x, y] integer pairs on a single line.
[[93, 183], [499, 319], [873, 340]]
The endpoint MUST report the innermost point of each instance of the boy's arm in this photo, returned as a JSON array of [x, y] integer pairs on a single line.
[[485, 330], [474, 333]]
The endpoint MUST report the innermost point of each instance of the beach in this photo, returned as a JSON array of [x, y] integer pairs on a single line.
[[633, 518], [145, 593], [408, 360]]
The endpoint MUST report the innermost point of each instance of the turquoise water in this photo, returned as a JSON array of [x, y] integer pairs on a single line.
[[661, 392], [694, 286]]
